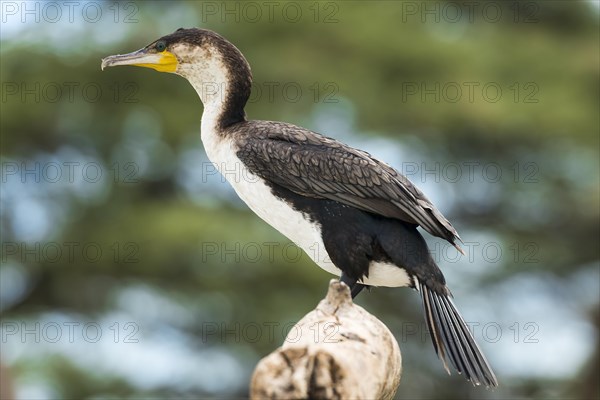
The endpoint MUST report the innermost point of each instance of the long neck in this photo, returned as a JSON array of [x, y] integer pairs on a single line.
[[223, 84], [224, 103]]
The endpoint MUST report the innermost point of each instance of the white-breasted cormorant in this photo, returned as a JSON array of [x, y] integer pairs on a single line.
[[354, 215]]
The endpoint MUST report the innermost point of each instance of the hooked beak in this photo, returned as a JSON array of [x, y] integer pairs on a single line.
[[165, 61]]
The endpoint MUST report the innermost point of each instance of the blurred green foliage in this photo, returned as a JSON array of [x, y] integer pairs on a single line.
[[192, 268]]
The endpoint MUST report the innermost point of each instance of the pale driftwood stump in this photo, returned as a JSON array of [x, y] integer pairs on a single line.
[[337, 351]]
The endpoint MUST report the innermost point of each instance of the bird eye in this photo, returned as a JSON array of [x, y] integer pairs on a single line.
[[160, 46]]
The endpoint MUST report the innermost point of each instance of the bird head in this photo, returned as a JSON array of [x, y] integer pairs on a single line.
[[215, 67]]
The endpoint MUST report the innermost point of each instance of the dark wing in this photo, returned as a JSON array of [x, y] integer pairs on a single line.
[[319, 167]]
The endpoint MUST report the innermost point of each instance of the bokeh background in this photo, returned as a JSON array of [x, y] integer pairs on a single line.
[[129, 268]]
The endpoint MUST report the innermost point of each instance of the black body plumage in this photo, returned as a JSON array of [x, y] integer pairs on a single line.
[[319, 167]]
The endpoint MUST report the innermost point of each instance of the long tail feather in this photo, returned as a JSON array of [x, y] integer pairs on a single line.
[[452, 339]]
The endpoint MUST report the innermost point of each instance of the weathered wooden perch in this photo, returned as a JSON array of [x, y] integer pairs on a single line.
[[337, 351]]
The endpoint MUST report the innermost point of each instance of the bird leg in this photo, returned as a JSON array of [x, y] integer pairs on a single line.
[[355, 287], [358, 287]]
